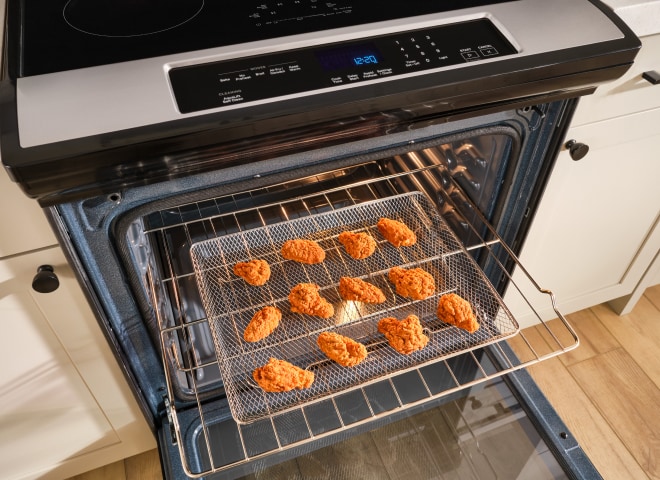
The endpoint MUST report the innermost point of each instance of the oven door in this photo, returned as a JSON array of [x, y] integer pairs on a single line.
[[473, 181]]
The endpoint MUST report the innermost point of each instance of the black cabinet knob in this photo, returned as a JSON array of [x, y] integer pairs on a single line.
[[577, 150], [45, 281]]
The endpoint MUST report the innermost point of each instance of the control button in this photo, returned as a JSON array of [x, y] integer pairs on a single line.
[[470, 55], [337, 80], [234, 96], [488, 51]]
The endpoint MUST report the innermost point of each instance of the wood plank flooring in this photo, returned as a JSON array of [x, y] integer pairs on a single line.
[[607, 391]]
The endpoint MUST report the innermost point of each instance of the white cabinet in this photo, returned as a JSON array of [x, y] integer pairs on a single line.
[[65, 406], [597, 228]]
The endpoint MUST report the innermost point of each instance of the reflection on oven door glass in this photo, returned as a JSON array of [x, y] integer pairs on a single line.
[[484, 434]]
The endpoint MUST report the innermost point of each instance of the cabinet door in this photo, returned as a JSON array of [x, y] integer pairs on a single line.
[[628, 94], [65, 407], [592, 238], [24, 224]]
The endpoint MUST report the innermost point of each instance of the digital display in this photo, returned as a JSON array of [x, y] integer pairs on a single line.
[[365, 59], [349, 56]]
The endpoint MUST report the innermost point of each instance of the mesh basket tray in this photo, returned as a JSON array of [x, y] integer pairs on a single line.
[[230, 302]]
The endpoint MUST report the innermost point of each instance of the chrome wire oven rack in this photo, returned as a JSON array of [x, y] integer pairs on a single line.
[[230, 302], [194, 377]]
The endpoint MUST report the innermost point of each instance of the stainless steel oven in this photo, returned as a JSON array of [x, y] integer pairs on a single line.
[[167, 143]]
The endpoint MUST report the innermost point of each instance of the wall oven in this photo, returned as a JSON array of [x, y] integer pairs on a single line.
[[169, 141]]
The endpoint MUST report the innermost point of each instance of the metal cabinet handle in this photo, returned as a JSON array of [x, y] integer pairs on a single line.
[[652, 77], [577, 150], [45, 281]]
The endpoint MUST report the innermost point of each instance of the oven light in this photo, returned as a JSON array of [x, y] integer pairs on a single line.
[[349, 311]]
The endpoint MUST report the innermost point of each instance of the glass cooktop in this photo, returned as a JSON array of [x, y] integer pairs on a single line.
[[59, 35]]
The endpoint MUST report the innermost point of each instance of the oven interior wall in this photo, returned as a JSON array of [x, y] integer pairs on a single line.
[[134, 245]]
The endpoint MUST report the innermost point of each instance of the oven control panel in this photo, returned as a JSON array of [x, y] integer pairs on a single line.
[[260, 78]]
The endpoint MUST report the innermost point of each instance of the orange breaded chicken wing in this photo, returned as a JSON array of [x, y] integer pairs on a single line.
[[282, 376], [254, 272], [305, 298], [303, 251], [457, 311], [358, 245], [262, 324], [414, 283], [405, 336], [343, 350], [357, 289], [395, 232]]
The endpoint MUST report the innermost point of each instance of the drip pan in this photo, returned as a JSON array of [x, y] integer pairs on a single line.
[[230, 302]]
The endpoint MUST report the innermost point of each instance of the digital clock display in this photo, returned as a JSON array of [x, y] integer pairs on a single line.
[[365, 59], [349, 56]]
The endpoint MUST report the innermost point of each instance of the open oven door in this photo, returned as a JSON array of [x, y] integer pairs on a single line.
[[489, 431]]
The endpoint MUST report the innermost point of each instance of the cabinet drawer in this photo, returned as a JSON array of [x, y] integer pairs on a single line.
[[629, 94], [24, 225]]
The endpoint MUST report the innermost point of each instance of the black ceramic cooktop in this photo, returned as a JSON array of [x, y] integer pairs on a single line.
[[59, 35]]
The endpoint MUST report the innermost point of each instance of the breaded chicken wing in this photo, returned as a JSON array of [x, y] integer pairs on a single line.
[[343, 350], [457, 311], [254, 272], [358, 245], [305, 298], [397, 233], [262, 324], [405, 336], [303, 251], [414, 283], [282, 376], [357, 289]]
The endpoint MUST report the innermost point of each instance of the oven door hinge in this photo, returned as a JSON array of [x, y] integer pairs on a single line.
[[169, 410]]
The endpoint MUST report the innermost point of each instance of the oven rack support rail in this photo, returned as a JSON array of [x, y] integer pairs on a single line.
[[360, 408]]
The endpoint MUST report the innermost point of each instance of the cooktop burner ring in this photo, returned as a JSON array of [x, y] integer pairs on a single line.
[[129, 18]]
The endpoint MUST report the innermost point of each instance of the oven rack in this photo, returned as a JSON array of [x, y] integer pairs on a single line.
[[325, 421]]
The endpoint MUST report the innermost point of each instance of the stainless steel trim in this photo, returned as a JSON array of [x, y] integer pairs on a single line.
[[93, 101]]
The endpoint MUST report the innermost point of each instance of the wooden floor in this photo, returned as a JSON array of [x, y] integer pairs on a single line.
[[607, 391]]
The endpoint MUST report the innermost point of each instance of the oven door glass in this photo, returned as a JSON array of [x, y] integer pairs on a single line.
[[481, 433]]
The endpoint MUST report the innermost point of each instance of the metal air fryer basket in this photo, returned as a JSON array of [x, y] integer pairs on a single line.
[[230, 302]]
